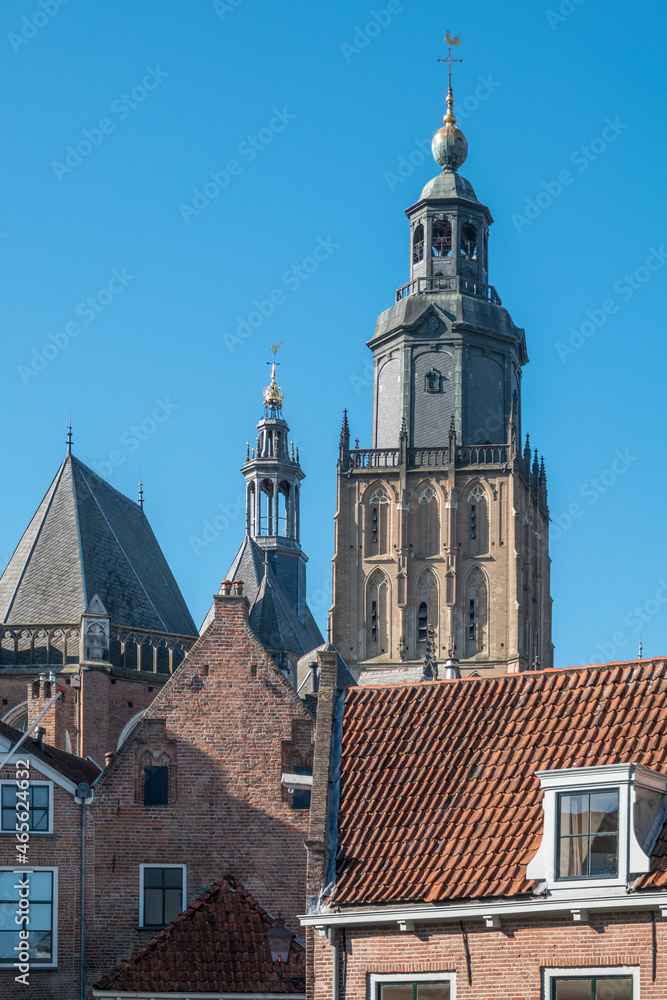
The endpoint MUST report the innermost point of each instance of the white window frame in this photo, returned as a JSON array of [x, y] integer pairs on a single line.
[[158, 864], [33, 833], [413, 977], [633, 858], [622, 971], [53, 964]]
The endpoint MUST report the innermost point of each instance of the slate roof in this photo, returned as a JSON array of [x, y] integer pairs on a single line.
[[217, 944], [272, 617], [86, 538], [438, 794], [74, 768]]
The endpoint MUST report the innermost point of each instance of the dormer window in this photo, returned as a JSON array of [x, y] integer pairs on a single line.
[[433, 381], [588, 834], [600, 826]]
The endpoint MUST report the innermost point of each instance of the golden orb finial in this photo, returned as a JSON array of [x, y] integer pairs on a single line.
[[449, 145]]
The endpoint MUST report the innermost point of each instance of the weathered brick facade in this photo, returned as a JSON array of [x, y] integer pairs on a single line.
[[224, 724]]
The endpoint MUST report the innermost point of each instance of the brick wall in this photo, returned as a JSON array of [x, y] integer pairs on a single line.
[[62, 848], [506, 964], [228, 720]]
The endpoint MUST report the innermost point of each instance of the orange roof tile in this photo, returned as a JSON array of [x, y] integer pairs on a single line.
[[438, 794]]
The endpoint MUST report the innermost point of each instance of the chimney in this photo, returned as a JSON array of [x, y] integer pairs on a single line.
[[238, 588], [39, 736], [226, 588]]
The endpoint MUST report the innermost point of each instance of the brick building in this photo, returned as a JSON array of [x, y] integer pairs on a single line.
[[496, 837]]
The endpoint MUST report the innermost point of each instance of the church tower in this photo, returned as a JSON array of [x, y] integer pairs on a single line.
[[271, 563], [442, 525]]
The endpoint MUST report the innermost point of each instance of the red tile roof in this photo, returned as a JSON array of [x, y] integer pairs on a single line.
[[438, 794], [216, 945], [68, 764]]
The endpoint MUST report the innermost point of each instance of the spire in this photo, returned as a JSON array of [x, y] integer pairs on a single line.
[[449, 145], [526, 451], [69, 438], [344, 443], [273, 394], [141, 493]]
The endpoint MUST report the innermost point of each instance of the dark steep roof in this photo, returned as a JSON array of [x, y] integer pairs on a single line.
[[216, 945], [438, 794], [70, 766], [85, 539], [273, 617]]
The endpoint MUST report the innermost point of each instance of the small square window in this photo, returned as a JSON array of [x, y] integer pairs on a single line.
[[162, 894], [156, 785], [588, 834], [37, 806]]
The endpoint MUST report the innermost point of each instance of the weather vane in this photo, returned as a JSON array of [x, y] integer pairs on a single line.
[[452, 43], [274, 348]]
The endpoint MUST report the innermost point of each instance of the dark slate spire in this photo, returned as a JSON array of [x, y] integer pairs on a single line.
[[86, 538]]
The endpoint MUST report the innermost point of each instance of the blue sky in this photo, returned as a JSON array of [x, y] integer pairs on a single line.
[[123, 290]]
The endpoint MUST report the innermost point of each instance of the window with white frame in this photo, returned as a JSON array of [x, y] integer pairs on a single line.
[[162, 894], [32, 805], [417, 986], [620, 983], [33, 895], [600, 826]]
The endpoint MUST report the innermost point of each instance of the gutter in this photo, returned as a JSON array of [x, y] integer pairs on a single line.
[[406, 917]]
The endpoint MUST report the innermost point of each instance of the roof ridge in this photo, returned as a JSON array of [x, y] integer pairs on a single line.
[[550, 671]]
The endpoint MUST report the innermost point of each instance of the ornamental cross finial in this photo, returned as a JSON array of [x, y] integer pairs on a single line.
[[456, 41], [273, 394]]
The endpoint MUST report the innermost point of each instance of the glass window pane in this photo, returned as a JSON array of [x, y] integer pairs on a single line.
[[153, 906], [39, 820], [40, 945], [573, 862], [574, 814], [172, 904], [40, 917], [397, 991], [7, 914], [40, 796], [433, 991], [604, 811], [9, 819], [40, 885], [173, 877], [153, 876], [9, 797], [613, 989], [8, 939], [604, 855], [574, 989], [7, 881]]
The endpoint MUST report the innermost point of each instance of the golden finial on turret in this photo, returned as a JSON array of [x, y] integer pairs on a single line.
[[449, 144], [273, 394]]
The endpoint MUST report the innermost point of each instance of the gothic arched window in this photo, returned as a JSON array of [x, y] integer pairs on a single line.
[[476, 609], [377, 615], [429, 523], [418, 244], [469, 240], [442, 238], [377, 523], [478, 520], [427, 611]]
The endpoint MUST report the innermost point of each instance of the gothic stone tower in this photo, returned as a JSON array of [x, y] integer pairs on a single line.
[[442, 526]]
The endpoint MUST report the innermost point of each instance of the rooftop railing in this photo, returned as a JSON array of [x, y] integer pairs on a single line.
[[449, 283]]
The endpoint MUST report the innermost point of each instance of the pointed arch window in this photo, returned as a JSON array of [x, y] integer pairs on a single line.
[[427, 611], [469, 241], [433, 381], [478, 521], [377, 523], [418, 244], [429, 523], [476, 640], [442, 238], [377, 615]]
